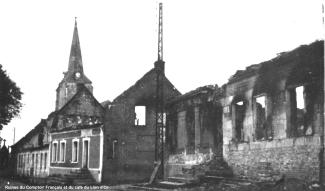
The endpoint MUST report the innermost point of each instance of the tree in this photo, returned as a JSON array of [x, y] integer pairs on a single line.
[[10, 96]]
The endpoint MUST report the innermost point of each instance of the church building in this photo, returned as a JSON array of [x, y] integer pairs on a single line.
[[73, 144]]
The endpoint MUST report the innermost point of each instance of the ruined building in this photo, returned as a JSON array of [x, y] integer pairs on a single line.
[[273, 121], [265, 122], [131, 125]]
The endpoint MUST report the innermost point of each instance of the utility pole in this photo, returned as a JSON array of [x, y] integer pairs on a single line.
[[160, 113]]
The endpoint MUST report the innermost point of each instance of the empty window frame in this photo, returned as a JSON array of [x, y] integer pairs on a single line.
[[238, 117], [54, 151], [140, 115], [62, 150], [262, 129], [301, 111], [75, 150]]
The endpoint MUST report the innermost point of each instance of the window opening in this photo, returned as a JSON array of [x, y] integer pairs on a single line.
[[140, 115]]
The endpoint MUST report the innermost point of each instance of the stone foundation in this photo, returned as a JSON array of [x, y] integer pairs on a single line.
[[269, 160]]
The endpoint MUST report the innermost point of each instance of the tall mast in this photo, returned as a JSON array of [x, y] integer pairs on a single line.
[[160, 114], [160, 33]]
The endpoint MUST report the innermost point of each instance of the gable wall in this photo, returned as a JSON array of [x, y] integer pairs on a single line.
[[134, 160]]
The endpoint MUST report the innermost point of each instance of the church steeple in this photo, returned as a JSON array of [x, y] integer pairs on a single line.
[[75, 70], [68, 87], [75, 60]]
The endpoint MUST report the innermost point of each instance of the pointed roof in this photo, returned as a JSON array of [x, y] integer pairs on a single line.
[[148, 80], [75, 60]]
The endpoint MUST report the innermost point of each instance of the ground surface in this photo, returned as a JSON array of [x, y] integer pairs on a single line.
[[288, 185]]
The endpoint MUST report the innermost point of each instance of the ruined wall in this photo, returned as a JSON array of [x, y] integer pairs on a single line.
[[133, 155], [195, 131], [290, 149]]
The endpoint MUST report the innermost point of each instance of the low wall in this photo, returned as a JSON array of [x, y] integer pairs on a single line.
[[95, 173], [181, 164], [269, 160]]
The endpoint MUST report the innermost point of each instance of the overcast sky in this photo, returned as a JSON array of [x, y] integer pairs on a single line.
[[205, 42]]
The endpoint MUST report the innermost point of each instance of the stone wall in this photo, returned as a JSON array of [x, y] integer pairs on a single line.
[[134, 149], [269, 160], [286, 148]]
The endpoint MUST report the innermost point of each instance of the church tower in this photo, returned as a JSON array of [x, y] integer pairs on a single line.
[[74, 77]]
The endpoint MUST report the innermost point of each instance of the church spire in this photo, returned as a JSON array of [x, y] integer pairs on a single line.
[[75, 76], [75, 60]]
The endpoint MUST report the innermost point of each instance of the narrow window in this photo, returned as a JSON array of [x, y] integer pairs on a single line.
[[62, 151], [75, 150], [65, 92], [41, 163], [36, 163], [301, 116], [23, 163], [33, 162], [140, 115], [45, 161], [300, 110], [54, 152], [261, 130], [114, 146], [238, 116]]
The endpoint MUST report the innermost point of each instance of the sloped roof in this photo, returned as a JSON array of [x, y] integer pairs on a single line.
[[105, 103], [36, 130], [81, 88], [143, 80]]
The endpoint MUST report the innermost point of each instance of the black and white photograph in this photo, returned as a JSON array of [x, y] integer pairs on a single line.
[[160, 95]]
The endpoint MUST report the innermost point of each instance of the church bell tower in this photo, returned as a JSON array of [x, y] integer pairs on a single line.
[[75, 76]]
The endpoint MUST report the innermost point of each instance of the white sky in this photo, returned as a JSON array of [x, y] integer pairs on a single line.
[[205, 42]]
